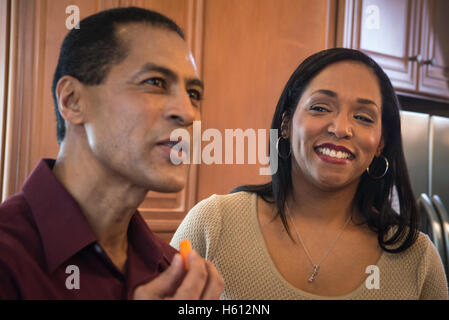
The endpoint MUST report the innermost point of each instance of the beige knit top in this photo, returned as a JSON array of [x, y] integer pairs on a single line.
[[224, 229]]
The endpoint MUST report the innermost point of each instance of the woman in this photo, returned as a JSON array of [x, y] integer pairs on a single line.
[[324, 226]]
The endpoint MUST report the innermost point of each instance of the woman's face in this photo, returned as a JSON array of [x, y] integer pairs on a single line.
[[336, 129]]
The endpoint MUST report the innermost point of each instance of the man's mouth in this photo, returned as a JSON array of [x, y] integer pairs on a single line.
[[177, 148], [168, 143]]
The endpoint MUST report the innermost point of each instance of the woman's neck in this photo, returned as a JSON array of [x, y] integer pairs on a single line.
[[309, 202]]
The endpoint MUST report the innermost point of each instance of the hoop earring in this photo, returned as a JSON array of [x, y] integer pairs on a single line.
[[277, 148], [387, 165]]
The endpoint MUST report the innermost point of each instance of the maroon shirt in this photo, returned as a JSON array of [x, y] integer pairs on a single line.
[[43, 231]]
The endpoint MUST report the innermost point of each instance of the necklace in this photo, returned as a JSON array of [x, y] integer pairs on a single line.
[[316, 266]]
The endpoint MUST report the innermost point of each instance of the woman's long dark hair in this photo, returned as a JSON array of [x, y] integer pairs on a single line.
[[370, 193]]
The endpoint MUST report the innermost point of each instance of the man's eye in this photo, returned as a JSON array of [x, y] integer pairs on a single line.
[[158, 82], [319, 108], [195, 95]]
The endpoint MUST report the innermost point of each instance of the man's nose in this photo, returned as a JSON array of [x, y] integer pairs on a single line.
[[181, 110], [341, 126]]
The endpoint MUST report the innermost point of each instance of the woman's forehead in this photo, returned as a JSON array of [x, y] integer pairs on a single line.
[[347, 80]]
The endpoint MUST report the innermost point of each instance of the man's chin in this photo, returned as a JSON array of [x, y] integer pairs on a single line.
[[168, 184], [169, 188], [167, 179]]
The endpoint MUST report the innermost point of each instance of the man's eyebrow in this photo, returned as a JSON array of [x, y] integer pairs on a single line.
[[151, 67], [195, 82]]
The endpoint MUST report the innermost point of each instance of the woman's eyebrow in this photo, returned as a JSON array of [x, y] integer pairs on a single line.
[[333, 94], [329, 93], [366, 101]]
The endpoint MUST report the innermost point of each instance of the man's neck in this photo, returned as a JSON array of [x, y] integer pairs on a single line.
[[107, 201]]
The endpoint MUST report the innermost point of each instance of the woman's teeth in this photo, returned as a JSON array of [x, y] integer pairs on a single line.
[[334, 154]]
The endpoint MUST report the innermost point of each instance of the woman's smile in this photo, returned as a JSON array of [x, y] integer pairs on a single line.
[[332, 153]]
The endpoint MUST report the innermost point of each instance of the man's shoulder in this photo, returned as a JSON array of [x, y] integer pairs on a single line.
[[167, 250], [17, 227], [14, 210]]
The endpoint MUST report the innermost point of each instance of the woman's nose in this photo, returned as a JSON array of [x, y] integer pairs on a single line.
[[341, 127]]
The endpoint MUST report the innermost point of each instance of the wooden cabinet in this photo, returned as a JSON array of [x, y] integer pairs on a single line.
[[245, 50], [434, 72], [4, 59], [408, 38]]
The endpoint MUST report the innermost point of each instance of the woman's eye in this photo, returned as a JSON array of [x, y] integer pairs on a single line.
[[365, 119], [195, 95], [158, 82]]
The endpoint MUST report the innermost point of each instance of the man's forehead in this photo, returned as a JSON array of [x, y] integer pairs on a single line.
[[146, 43]]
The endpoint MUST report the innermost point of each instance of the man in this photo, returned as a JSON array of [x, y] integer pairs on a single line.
[[124, 81]]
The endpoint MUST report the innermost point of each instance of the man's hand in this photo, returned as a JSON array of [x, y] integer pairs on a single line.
[[201, 281]]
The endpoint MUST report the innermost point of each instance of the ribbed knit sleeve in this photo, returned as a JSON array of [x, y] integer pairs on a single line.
[[432, 278], [202, 226]]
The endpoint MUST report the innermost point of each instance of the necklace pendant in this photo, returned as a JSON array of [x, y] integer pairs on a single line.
[[314, 273]]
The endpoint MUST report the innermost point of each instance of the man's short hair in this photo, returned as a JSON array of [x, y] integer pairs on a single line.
[[89, 52]]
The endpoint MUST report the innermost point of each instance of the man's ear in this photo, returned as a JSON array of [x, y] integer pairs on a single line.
[[69, 97], [380, 148]]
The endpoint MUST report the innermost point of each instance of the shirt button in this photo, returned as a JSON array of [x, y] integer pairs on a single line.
[[97, 248]]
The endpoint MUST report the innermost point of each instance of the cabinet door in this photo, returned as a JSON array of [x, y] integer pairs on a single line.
[[388, 32], [4, 50], [434, 70]]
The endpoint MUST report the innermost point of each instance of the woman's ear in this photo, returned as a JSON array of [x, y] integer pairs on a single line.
[[380, 147], [285, 125], [69, 98]]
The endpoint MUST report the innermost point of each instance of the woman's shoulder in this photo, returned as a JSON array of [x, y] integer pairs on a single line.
[[422, 245], [422, 250], [229, 203], [204, 223]]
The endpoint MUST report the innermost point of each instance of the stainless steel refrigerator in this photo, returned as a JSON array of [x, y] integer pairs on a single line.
[[426, 148]]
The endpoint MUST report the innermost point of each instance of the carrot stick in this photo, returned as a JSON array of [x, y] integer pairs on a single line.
[[185, 247]]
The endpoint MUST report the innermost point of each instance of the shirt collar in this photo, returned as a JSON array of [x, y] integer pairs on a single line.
[[63, 228], [145, 242]]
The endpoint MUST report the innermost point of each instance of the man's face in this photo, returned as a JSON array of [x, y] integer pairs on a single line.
[[155, 90]]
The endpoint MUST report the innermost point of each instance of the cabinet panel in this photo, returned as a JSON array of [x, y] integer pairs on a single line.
[[4, 62], [388, 32], [379, 18], [434, 72]]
